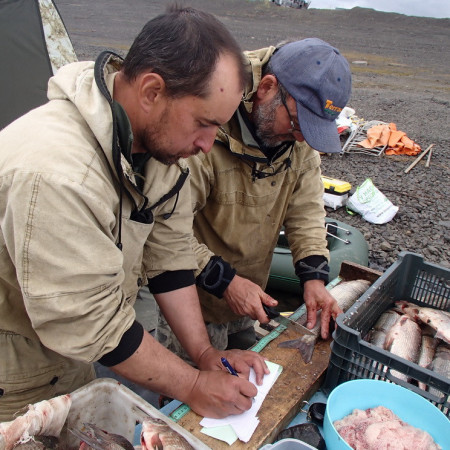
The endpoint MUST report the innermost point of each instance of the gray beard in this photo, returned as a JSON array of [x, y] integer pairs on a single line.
[[263, 120]]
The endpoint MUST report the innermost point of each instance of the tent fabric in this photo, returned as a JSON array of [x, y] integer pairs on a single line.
[[59, 46], [387, 135], [26, 64]]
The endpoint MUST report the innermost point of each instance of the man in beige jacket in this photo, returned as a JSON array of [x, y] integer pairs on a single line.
[[264, 173], [95, 203]]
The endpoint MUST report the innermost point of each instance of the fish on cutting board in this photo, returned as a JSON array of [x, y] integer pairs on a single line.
[[404, 340], [158, 434], [437, 319], [346, 293]]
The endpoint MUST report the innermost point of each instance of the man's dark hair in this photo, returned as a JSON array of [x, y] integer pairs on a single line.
[[183, 46]]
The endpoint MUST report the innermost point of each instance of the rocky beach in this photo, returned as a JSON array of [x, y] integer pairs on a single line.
[[401, 74]]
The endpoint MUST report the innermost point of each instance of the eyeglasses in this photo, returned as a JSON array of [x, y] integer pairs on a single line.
[[293, 128]]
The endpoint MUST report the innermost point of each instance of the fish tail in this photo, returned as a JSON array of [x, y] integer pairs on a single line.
[[306, 347]]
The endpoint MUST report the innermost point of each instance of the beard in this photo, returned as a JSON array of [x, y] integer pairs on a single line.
[[152, 141], [263, 120]]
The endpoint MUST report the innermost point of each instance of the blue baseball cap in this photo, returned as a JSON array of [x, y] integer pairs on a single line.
[[318, 77]]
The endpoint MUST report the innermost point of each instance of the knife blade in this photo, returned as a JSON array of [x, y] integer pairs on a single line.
[[273, 314]]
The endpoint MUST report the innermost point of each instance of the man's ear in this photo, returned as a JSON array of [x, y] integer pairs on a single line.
[[268, 86], [151, 88]]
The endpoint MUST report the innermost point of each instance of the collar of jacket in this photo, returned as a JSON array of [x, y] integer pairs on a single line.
[[250, 139], [255, 61], [122, 141], [230, 134], [261, 166]]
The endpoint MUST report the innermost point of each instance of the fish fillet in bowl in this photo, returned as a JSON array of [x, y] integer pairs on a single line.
[[412, 410]]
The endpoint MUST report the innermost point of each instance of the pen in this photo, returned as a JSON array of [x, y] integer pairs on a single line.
[[227, 366]]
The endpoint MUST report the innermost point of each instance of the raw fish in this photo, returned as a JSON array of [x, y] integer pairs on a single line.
[[346, 293], [158, 434], [437, 319]]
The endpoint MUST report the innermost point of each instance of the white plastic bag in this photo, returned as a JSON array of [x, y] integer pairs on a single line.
[[371, 204]]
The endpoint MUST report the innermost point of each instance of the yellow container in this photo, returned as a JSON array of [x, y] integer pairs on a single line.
[[335, 186]]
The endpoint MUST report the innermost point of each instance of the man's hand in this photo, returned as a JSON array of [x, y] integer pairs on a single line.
[[317, 297], [245, 298], [212, 393], [218, 394], [240, 360]]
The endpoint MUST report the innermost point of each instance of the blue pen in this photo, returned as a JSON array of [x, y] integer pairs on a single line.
[[227, 366]]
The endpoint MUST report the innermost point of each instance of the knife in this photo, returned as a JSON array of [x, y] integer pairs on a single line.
[[273, 314]]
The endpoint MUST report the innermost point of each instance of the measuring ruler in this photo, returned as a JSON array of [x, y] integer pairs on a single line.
[[180, 412], [262, 343]]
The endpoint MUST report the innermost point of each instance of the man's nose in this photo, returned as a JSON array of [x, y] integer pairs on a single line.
[[206, 140]]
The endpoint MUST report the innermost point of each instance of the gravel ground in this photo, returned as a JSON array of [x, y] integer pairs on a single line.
[[406, 81]]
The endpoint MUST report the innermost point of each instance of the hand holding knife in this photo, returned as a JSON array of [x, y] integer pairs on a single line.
[[273, 314]]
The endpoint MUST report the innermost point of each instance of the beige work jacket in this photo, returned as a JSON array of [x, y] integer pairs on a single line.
[[239, 218], [66, 289]]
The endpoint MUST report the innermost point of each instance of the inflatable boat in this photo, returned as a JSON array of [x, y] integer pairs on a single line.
[[344, 243]]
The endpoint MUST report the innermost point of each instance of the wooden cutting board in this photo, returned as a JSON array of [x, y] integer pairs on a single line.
[[296, 384]]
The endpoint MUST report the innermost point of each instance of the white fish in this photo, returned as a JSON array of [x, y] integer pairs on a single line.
[[387, 320], [376, 337], [441, 365], [157, 434], [435, 318], [404, 340], [427, 350], [93, 437]]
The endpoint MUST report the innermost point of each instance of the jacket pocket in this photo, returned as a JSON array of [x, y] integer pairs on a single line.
[[32, 371], [26, 379]]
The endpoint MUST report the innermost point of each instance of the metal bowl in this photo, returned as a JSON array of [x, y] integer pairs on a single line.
[[363, 394]]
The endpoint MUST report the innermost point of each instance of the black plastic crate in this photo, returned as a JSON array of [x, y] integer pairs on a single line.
[[412, 279]]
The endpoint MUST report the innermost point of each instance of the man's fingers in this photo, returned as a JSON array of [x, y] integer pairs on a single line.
[[311, 317], [268, 300], [248, 390], [325, 323], [336, 311], [261, 369]]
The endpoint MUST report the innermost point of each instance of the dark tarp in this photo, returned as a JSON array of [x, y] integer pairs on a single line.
[[25, 64]]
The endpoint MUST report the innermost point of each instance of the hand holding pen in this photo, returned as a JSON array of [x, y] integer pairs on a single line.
[[228, 366], [230, 369]]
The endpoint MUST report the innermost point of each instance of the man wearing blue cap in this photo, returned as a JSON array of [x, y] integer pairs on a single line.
[[264, 173]]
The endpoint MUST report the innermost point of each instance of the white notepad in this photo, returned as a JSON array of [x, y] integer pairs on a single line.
[[242, 426]]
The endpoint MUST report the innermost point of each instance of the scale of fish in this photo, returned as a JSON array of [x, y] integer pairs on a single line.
[[346, 293], [92, 437], [157, 434], [435, 318]]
